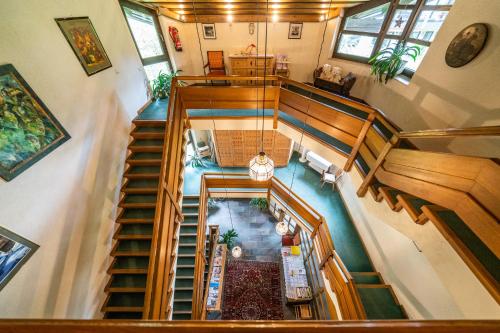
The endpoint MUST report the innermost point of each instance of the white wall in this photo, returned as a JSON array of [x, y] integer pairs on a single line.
[[234, 37], [67, 201], [439, 96]]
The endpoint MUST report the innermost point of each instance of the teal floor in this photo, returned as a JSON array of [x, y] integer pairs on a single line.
[[157, 110], [307, 185]]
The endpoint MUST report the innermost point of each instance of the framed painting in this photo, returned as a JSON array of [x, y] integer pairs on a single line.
[[466, 45], [28, 131], [86, 45], [295, 30], [14, 252], [209, 30]]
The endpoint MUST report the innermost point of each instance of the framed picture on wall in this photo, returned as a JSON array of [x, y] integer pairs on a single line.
[[28, 131], [14, 252], [295, 30], [209, 30], [83, 39]]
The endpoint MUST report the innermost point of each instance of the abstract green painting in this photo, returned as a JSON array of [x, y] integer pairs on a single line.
[[28, 131]]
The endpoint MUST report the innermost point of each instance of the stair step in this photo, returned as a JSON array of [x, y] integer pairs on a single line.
[[137, 204], [123, 315], [389, 194], [148, 135], [135, 229], [132, 281], [140, 190], [379, 302], [147, 142], [191, 211], [140, 183], [132, 248], [132, 213], [148, 123], [189, 228], [181, 316], [183, 239], [367, 278], [139, 198], [142, 175], [143, 169], [184, 271], [120, 302], [131, 263]]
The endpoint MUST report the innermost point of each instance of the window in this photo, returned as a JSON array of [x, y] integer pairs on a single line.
[[366, 29], [145, 29]]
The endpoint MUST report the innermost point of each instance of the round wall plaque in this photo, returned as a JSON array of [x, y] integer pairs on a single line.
[[466, 45]]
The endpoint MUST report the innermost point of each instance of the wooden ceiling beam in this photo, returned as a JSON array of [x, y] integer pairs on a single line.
[[256, 11], [255, 18], [189, 2]]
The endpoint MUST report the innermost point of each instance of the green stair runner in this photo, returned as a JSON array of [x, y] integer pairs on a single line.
[[129, 267], [184, 273]]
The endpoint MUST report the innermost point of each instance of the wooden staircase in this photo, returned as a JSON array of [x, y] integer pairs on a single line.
[[132, 239], [184, 275]]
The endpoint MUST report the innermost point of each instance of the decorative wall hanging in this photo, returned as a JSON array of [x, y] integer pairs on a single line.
[[251, 28], [295, 30], [82, 37], [28, 131], [466, 45], [174, 34], [14, 252], [208, 30]]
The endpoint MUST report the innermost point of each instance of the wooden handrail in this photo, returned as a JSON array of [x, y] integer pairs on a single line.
[[213, 242], [262, 326], [451, 132]]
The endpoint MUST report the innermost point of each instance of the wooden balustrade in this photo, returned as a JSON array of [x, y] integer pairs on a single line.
[[213, 241], [167, 217], [262, 326]]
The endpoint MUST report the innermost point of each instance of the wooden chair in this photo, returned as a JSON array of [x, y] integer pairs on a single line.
[[215, 63], [331, 178]]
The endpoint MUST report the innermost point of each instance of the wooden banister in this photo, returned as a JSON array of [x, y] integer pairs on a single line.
[[451, 132], [262, 326], [213, 241]]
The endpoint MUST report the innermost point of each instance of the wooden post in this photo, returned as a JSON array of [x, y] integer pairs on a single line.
[[276, 107], [380, 159], [359, 141]]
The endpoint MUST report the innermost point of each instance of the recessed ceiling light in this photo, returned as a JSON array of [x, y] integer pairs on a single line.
[[183, 17], [228, 6], [230, 18], [324, 5], [181, 12], [275, 18], [322, 18], [275, 6]]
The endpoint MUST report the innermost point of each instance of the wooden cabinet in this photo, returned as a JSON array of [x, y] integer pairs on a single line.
[[252, 65], [236, 148]]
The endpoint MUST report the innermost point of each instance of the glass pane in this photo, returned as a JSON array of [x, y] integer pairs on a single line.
[[428, 24], [407, 2], [413, 65], [399, 21], [144, 33], [388, 43], [153, 70], [439, 2], [361, 46], [368, 21]]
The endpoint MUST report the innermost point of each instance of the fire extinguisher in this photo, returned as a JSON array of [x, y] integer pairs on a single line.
[[174, 34]]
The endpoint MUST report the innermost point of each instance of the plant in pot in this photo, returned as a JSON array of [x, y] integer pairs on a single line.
[[259, 203], [228, 238], [196, 161], [161, 85], [391, 61]]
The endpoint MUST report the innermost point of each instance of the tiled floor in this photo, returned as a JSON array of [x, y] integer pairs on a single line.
[[306, 183], [255, 227]]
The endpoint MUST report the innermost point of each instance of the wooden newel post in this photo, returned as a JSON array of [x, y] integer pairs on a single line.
[[359, 141], [380, 160]]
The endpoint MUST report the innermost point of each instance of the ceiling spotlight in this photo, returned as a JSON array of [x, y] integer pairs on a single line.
[[230, 18], [275, 6], [322, 18], [183, 17], [275, 18], [229, 6], [324, 5], [181, 12]]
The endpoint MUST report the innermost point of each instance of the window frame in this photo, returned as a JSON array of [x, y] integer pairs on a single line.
[[165, 57], [416, 9]]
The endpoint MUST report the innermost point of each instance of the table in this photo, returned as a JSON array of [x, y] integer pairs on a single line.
[[296, 285]]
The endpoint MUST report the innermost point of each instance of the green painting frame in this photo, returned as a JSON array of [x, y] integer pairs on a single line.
[[24, 118], [84, 24], [14, 253]]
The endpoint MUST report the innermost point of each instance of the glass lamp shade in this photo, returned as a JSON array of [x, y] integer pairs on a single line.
[[261, 167], [281, 228], [236, 252]]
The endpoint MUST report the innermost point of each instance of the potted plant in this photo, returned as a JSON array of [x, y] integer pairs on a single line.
[[228, 238], [259, 203], [196, 161], [390, 62], [162, 83]]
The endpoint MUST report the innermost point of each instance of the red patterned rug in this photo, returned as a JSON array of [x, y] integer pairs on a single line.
[[252, 291]]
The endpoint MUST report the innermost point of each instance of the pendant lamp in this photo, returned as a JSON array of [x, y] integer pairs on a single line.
[[261, 167], [236, 252]]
